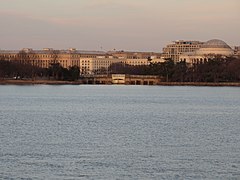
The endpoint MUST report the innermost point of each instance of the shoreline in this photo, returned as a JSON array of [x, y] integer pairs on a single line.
[[217, 84], [38, 82], [55, 82]]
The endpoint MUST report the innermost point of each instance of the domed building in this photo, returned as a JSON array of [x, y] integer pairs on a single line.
[[209, 49], [215, 46]]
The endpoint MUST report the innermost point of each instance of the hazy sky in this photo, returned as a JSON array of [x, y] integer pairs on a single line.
[[141, 25]]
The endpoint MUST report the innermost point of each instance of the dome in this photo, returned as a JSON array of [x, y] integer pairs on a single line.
[[215, 46], [215, 43]]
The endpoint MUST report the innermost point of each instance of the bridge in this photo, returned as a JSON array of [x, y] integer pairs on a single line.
[[122, 79]]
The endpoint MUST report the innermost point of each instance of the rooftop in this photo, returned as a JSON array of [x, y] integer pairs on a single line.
[[215, 43]]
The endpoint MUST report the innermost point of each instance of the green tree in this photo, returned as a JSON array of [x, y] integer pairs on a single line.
[[74, 72], [168, 69]]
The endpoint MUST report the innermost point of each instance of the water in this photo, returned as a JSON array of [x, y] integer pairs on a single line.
[[119, 132]]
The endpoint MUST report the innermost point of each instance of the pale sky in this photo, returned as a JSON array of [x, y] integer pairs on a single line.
[[130, 25]]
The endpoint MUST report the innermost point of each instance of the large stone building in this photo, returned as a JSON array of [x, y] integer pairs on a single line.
[[208, 50], [177, 48], [89, 62], [43, 58]]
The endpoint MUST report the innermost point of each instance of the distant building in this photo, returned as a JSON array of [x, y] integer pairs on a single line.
[[208, 50], [99, 64], [89, 62], [177, 48], [135, 55]]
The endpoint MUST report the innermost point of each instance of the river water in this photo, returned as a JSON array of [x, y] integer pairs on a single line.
[[119, 132]]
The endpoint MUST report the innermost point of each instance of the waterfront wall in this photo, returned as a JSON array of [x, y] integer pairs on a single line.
[[91, 81]]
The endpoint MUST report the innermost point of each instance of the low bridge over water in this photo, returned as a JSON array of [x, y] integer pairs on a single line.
[[122, 79]]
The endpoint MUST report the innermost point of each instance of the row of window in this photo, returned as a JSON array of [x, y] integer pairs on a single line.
[[196, 60], [45, 56]]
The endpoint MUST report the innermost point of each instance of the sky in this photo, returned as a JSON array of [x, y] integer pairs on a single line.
[[129, 25]]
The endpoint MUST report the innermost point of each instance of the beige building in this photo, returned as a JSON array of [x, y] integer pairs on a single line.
[[100, 64], [97, 64], [135, 55], [43, 58], [89, 62], [209, 49], [177, 48]]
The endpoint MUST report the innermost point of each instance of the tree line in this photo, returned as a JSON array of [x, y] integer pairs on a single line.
[[217, 69], [19, 70]]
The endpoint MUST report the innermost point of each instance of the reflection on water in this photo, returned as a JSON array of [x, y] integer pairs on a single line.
[[119, 132]]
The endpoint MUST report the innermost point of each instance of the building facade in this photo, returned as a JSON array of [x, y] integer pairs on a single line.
[[89, 62], [100, 64], [179, 47]]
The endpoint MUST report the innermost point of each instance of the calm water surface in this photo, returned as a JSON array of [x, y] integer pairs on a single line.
[[119, 132]]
